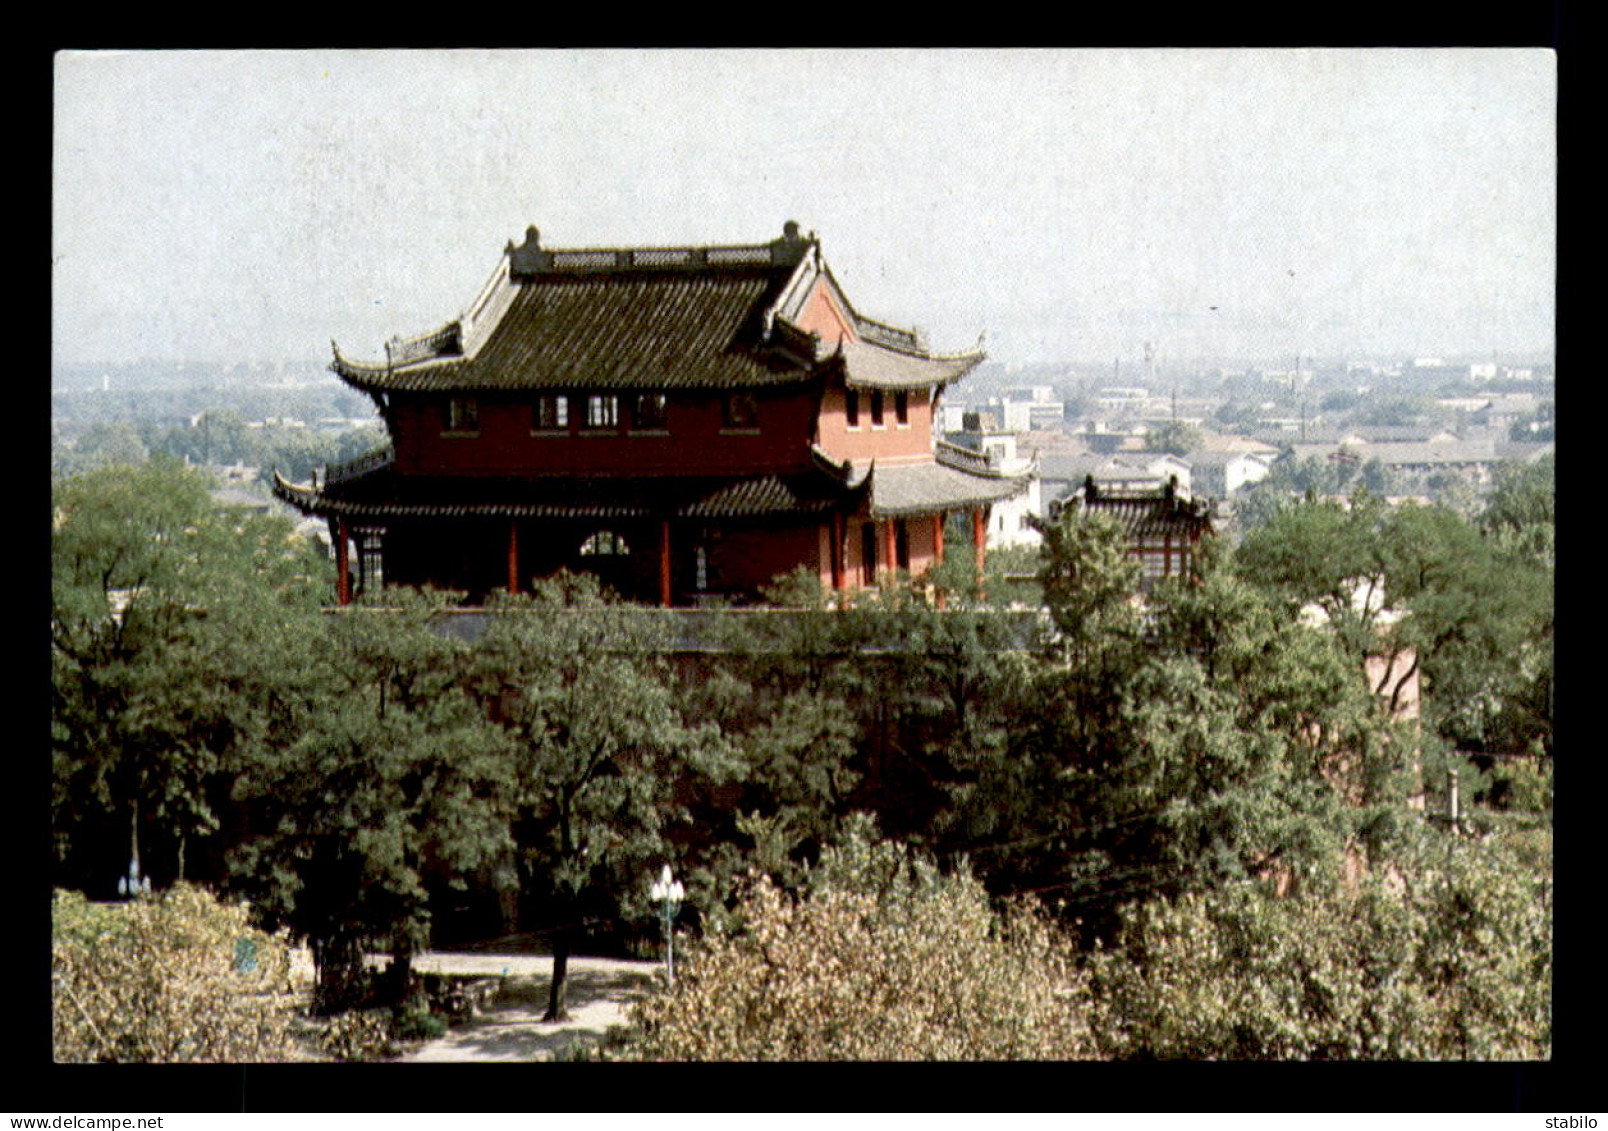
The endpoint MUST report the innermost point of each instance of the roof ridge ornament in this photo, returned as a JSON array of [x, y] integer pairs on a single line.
[[528, 258], [792, 247]]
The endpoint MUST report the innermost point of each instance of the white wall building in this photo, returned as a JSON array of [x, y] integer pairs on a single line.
[[1010, 520]]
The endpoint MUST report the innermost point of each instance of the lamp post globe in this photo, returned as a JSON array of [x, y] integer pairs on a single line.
[[668, 893]]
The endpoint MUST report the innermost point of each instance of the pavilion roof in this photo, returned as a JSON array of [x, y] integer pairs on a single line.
[[648, 329], [871, 364], [380, 494], [1147, 514], [661, 318], [948, 483]]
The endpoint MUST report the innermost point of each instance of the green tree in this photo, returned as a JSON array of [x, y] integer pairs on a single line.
[[293, 452], [1521, 511], [1089, 582], [951, 665], [1341, 400], [1420, 587], [1394, 412], [100, 445], [1379, 479], [393, 776], [1008, 577], [358, 442], [1290, 483], [1324, 553], [834, 704], [1026, 800], [836, 665], [216, 438], [1200, 737], [167, 620], [1174, 436], [599, 750]]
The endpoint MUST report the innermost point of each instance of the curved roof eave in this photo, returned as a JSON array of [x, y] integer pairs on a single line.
[[871, 365], [385, 376], [929, 488]]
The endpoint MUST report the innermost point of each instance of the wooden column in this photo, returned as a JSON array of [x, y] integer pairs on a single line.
[[513, 556], [836, 544], [980, 543], [664, 562], [343, 563], [892, 552], [938, 550]]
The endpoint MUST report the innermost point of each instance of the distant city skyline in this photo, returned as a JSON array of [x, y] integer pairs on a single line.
[[1061, 204]]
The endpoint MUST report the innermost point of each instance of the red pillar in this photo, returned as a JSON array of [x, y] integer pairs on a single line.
[[980, 542], [890, 548], [343, 564], [836, 542], [664, 562], [938, 549], [513, 556]]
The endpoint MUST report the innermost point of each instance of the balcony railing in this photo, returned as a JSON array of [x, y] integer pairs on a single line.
[[362, 465], [883, 334], [613, 259], [404, 351]]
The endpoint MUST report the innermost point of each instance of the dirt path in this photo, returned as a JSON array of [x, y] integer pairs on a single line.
[[511, 1028]]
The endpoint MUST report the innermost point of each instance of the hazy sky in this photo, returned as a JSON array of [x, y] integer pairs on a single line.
[[1066, 204]]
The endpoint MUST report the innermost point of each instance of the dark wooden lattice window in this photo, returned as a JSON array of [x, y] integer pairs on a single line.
[[602, 411], [551, 414], [741, 411], [648, 412], [605, 543], [370, 559], [463, 414]]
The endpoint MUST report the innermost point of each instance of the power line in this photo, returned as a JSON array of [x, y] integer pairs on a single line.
[[1066, 834]]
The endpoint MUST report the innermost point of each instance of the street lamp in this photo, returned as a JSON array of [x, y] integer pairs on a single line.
[[131, 885], [667, 893]]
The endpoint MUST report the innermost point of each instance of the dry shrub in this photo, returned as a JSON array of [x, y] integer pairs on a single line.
[[360, 1034], [1448, 960], [882, 959], [173, 977]]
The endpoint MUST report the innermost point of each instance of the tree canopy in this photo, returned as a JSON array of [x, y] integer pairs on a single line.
[[921, 821], [173, 621]]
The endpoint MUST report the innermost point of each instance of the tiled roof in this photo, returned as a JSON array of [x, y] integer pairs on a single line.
[[877, 366], [922, 488], [1425, 455], [1067, 469], [643, 328], [1371, 433], [1222, 457], [381, 494], [660, 318], [1152, 514]]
